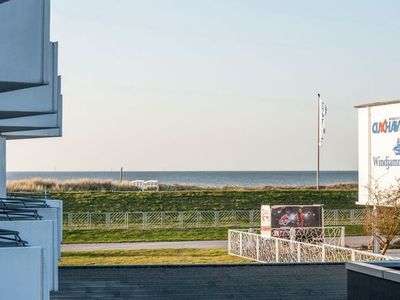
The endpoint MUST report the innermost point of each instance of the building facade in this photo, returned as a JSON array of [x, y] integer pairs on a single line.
[[30, 107], [379, 147]]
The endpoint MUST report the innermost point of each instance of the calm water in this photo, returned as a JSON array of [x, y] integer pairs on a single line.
[[218, 178]]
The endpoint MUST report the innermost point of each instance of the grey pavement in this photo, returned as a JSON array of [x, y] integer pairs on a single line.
[[351, 241], [138, 246], [357, 241]]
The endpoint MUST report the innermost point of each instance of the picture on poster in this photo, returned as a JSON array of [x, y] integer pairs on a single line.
[[297, 216]]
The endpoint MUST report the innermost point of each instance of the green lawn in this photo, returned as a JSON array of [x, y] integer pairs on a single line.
[[159, 256], [154, 235], [98, 201], [158, 235]]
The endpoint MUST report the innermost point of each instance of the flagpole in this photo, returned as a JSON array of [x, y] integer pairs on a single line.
[[318, 138]]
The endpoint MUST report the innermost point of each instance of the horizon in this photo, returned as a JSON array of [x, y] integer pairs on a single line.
[[183, 171]]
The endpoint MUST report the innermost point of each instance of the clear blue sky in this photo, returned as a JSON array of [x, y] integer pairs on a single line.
[[214, 84]]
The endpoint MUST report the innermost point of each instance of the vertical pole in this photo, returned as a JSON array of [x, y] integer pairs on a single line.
[[108, 220], [369, 152], [342, 237], [323, 253], [216, 219], [258, 247], [276, 251], [198, 219], [241, 244], [3, 167], [318, 137], [162, 219], [145, 220], [352, 221], [181, 224], [229, 241], [292, 234], [121, 174], [375, 242], [70, 221], [251, 217], [298, 253]]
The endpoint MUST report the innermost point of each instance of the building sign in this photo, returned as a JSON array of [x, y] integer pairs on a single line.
[[379, 147]]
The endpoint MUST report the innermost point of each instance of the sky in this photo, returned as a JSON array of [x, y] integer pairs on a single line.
[[214, 84]]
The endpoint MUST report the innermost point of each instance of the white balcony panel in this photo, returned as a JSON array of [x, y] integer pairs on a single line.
[[32, 134], [40, 233], [46, 121], [24, 36], [26, 133], [21, 277], [36, 100]]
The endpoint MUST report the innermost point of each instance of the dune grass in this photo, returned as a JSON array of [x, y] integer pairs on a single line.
[[159, 256], [83, 195], [39, 185], [200, 200], [160, 235]]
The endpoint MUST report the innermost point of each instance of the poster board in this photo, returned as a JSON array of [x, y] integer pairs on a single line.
[[297, 216]]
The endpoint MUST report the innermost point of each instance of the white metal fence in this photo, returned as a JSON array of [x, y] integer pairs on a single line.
[[190, 219], [278, 250], [314, 235]]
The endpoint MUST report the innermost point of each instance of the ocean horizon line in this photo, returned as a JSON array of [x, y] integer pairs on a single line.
[[175, 171]]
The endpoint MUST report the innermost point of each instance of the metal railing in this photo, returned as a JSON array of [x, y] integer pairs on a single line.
[[344, 216], [313, 235], [189, 219], [278, 250]]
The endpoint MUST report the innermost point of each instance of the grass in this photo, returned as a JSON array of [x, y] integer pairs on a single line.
[[159, 256], [159, 235], [355, 230], [103, 201], [154, 235]]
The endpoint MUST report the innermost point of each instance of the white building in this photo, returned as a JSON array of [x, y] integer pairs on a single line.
[[30, 107], [379, 146]]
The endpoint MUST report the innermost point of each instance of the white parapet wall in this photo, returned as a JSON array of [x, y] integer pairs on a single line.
[[40, 233], [55, 213], [21, 276], [52, 214]]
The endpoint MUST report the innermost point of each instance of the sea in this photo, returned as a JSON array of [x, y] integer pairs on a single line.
[[206, 178]]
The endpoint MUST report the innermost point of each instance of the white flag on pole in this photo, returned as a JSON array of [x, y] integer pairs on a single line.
[[322, 122]]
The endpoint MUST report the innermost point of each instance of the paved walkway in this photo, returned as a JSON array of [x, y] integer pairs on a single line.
[[354, 242], [150, 245]]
